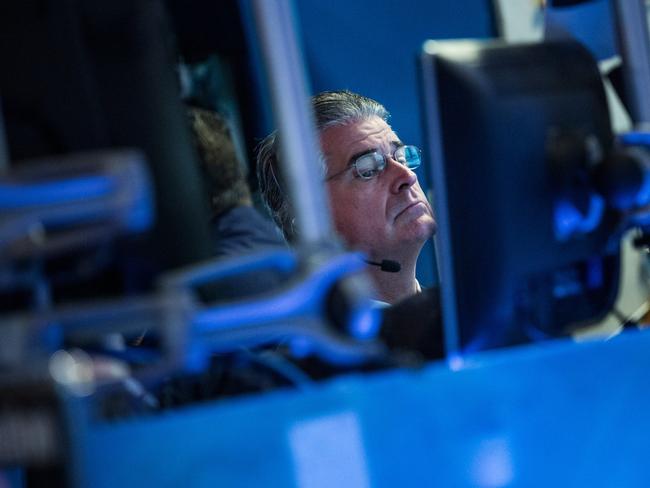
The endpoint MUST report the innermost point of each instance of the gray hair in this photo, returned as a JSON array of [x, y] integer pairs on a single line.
[[331, 108]]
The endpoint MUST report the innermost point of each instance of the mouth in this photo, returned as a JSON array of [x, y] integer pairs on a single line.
[[410, 206]]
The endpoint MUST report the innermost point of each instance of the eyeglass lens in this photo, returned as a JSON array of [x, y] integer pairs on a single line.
[[371, 164]]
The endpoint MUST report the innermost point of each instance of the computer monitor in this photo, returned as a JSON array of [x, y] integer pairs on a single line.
[[524, 243]]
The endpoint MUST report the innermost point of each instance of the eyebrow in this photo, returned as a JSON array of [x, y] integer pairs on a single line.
[[395, 144]]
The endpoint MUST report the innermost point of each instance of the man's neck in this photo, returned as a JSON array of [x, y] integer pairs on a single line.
[[392, 287]]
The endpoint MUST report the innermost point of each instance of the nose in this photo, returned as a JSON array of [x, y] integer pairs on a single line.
[[403, 177]]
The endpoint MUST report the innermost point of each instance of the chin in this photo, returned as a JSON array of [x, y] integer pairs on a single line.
[[421, 229]]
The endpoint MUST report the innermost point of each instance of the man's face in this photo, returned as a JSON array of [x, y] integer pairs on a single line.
[[386, 216]]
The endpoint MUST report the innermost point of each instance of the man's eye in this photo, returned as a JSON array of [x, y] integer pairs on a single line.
[[369, 165], [368, 173]]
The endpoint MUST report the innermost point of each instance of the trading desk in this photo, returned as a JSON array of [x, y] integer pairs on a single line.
[[550, 414]]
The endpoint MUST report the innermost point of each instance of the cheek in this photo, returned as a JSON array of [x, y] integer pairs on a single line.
[[354, 216], [341, 206]]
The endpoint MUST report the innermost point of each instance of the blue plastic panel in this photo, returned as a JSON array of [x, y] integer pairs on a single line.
[[554, 414]]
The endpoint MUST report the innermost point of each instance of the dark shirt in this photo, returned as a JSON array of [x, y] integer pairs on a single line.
[[237, 232], [242, 230], [415, 324]]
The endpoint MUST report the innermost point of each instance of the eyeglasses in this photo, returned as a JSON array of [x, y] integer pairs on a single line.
[[371, 164]]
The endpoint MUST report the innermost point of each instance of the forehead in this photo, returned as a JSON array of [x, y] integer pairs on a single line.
[[340, 143]]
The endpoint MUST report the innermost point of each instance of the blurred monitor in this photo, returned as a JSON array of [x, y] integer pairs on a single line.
[[84, 75], [524, 243]]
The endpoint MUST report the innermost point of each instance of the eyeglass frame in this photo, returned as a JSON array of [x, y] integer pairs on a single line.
[[382, 166]]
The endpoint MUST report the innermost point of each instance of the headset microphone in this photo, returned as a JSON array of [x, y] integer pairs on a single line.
[[387, 265]]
